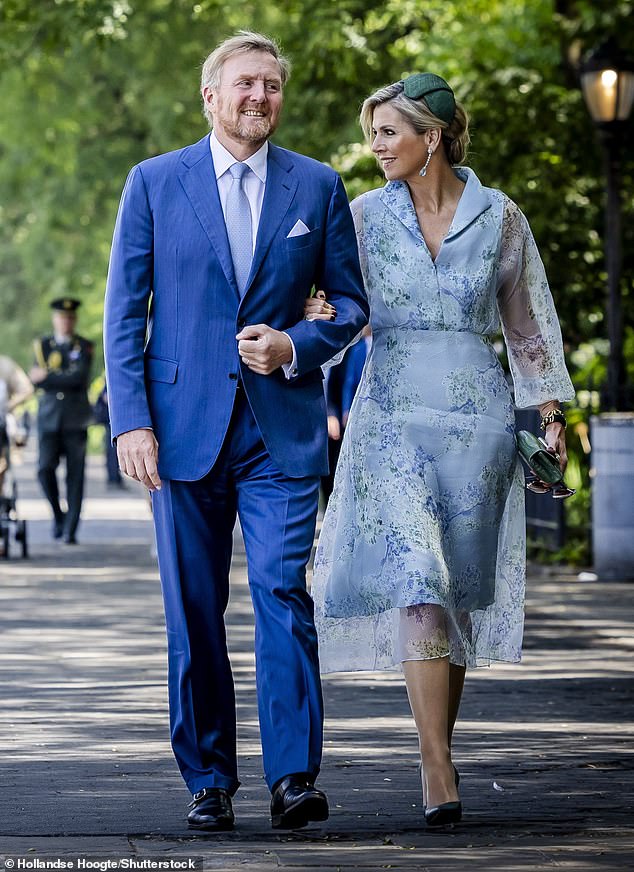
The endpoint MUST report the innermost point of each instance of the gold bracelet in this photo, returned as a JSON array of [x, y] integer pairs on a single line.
[[555, 415]]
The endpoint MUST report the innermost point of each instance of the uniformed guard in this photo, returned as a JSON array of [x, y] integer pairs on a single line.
[[61, 374]]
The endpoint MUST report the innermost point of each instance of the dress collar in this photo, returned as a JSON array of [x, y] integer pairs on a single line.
[[474, 200]]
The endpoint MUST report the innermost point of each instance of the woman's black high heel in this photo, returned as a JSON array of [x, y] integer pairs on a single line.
[[443, 814], [456, 776]]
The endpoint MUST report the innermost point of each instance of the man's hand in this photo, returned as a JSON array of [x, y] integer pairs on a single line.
[[137, 451], [37, 374], [264, 349]]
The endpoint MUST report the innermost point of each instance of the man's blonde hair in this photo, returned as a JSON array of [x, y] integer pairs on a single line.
[[243, 41]]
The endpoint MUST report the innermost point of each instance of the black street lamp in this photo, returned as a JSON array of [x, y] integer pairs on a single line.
[[607, 82]]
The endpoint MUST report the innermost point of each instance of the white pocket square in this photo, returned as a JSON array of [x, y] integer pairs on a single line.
[[299, 229]]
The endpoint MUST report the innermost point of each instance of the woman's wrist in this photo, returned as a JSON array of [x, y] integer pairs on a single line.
[[548, 407], [555, 427], [553, 416]]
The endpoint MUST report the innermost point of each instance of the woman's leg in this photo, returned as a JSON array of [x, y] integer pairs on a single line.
[[456, 685], [428, 689], [434, 688]]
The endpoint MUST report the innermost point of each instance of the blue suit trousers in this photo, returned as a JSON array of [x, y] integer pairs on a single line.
[[194, 525]]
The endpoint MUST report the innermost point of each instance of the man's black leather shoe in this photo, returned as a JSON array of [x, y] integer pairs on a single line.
[[58, 527], [295, 802], [211, 810]]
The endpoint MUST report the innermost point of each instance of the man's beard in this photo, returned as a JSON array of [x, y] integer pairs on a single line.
[[254, 131]]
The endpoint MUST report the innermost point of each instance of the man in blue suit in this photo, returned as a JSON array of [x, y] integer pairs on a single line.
[[217, 406]]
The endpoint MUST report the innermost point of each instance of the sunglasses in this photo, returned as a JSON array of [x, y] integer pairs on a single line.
[[557, 491]]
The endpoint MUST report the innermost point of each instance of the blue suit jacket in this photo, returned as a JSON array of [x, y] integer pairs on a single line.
[[173, 310]]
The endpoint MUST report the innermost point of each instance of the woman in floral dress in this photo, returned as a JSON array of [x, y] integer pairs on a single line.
[[421, 560]]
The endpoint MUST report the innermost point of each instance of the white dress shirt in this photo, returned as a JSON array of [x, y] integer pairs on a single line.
[[254, 184]]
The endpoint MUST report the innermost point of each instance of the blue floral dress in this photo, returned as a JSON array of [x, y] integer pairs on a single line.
[[422, 547]]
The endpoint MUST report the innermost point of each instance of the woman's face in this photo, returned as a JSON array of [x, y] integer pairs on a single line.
[[398, 148]]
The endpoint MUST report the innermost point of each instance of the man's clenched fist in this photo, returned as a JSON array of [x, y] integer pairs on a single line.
[[264, 349]]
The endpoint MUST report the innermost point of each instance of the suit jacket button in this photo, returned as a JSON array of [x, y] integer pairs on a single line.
[[59, 395], [233, 375], [242, 322]]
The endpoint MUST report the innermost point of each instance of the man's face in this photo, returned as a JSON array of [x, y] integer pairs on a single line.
[[246, 105], [64, 322]]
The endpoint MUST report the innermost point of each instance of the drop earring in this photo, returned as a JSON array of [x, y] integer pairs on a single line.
[[423, 172]]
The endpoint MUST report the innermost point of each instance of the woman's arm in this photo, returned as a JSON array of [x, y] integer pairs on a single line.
[[529, 319], [531, 328]]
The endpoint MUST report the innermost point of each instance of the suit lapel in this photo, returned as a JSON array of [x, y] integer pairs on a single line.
[[278, 196], [199, 182]]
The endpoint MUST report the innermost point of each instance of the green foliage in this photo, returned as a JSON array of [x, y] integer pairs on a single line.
[[90, 87]]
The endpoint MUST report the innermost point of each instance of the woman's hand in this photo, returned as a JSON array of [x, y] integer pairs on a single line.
[[318, 309], [555, 438], [334, 428]]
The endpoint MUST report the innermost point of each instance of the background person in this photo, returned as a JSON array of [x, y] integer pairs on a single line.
[[421, 559], [341, 382], [61, 375], [101, 415]]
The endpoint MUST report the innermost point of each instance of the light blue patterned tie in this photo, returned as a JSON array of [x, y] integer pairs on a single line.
[[239, 226]]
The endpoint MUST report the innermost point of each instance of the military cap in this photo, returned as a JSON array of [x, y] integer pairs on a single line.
[[65, 304]]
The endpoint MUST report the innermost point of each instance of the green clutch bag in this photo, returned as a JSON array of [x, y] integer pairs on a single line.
[[536, 456]]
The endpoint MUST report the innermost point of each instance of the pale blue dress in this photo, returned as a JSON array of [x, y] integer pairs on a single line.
[[422, 547]]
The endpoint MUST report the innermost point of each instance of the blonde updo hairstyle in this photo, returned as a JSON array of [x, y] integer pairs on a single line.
[[455, 136]]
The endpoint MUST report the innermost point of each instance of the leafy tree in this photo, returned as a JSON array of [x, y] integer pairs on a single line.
[[92, 86]]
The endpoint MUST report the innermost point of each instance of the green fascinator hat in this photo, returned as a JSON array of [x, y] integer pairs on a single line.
[[436, 92]]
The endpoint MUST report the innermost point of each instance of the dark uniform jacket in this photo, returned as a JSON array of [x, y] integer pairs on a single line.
[[63, 397]]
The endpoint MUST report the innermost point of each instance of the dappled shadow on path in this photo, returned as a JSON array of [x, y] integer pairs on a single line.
[[541, 747]]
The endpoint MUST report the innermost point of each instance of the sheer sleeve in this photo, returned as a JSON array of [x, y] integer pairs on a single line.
[[529, 320]]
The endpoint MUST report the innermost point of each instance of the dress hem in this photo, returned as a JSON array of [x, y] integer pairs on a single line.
[[398, 667]]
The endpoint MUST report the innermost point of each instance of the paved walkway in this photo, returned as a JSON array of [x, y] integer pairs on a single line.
[[544, 749]]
